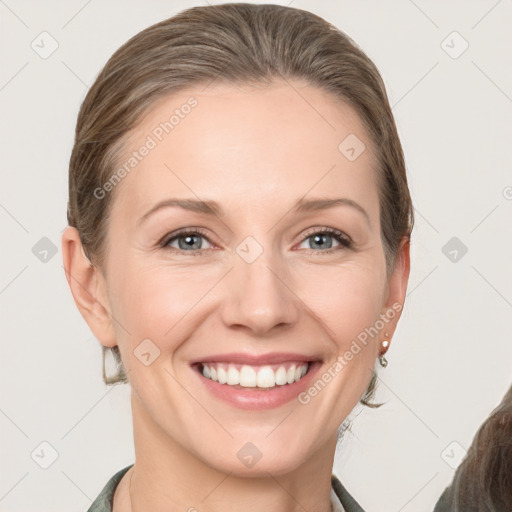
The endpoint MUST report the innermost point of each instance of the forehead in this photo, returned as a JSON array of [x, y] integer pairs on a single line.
[[260, 145]]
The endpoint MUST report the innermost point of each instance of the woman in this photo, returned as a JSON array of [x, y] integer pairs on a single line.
[[239, 229], [483, 481]]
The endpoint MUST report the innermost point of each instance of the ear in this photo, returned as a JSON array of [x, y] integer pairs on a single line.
[[397, 288], [88, 288]]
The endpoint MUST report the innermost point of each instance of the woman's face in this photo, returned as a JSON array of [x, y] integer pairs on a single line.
[[266, 283]]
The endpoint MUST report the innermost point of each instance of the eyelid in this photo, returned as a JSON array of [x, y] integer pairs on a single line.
[[345, 242], [325, 229], [184, 231]]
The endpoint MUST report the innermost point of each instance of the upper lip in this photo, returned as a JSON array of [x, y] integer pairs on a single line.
[[256, 359]]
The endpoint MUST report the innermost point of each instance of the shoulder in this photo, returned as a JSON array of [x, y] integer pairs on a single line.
[[103, 503], [446, 501], [348, 502]]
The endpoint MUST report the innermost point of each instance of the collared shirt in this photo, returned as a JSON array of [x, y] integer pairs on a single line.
[[341, 500]]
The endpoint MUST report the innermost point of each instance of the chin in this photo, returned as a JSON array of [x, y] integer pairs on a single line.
[[255, 459]]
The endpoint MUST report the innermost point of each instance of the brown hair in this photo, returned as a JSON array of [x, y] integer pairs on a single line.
[[483, 480], [234, 43]]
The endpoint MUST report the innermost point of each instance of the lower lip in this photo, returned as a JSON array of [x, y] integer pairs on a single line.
[[258, 399]]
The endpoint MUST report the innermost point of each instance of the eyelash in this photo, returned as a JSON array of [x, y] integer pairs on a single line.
[[340, 237]]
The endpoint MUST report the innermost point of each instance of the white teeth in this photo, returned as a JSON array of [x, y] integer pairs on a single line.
[[281, 376], [266, 377], [291, 374], [250, 377], [233, 376], [221, 375], [247, 377]]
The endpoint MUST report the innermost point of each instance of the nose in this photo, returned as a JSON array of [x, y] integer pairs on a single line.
[[259, 297]]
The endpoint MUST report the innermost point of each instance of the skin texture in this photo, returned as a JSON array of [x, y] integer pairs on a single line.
[[256, 151]]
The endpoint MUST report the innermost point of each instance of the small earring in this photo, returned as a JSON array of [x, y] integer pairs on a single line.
[[382, 360], [118, 374]]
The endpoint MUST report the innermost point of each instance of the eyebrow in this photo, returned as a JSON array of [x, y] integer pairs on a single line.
[[209, 207]]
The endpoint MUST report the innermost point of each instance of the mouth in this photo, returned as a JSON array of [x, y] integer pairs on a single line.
[[248, 376], [256, 382]]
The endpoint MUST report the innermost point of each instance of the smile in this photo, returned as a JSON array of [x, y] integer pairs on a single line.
[[249, 376]]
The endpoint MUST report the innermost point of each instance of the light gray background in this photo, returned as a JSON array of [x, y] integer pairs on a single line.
[[450, 362]]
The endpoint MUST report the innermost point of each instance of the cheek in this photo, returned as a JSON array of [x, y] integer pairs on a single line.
[[346, 299], [158, 302]]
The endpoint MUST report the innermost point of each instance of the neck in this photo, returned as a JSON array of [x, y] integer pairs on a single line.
[[167, 477]]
